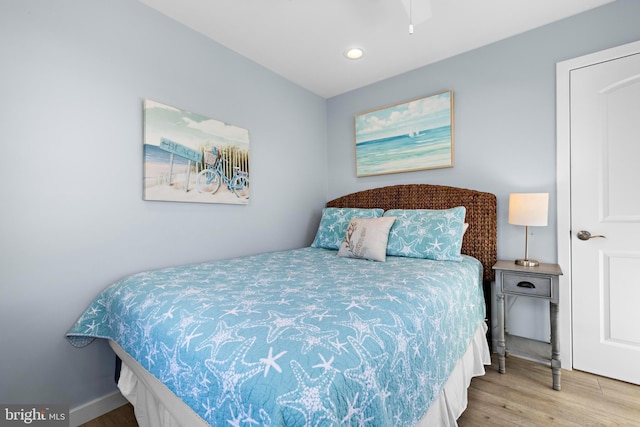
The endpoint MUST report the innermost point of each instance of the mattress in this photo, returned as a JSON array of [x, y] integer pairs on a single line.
[[299, 337], [156, 406]]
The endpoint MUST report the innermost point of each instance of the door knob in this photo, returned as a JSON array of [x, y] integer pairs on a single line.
[[585, 235]]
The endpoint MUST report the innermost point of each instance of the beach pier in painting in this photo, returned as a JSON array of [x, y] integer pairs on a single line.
[[415, 135]]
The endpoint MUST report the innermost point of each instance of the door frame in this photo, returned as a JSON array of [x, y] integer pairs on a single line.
[[563, 183]]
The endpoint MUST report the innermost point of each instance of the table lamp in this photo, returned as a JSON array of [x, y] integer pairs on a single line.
[[530, 210]]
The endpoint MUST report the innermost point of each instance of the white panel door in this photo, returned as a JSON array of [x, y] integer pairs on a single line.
[[605, 200]]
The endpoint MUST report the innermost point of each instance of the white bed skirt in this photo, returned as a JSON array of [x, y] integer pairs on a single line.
[[156, 406], [452, 402]]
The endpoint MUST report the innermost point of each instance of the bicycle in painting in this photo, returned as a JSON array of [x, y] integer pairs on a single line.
[[210, 179]]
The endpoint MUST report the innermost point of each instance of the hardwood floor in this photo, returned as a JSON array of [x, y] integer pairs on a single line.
[[121, 417], [521, 397]]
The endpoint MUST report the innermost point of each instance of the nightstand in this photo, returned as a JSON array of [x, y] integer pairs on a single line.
[[541, 281]]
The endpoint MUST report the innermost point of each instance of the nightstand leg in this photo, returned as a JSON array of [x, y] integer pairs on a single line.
[[555, 346], [501, 340]]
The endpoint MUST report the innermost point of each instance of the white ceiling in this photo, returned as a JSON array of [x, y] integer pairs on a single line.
[[304, 40]]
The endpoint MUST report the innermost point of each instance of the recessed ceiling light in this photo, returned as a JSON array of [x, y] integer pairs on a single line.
[[354, 53]]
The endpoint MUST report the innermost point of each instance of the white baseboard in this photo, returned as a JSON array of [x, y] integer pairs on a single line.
[[91, 410]]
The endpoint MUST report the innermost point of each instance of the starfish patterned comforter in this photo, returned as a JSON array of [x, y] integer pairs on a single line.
[[296, 338]]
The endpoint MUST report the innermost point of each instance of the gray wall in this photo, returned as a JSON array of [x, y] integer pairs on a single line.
[[505, 114], [73, 76]]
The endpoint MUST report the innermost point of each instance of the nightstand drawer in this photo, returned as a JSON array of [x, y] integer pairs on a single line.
[[526, 285]]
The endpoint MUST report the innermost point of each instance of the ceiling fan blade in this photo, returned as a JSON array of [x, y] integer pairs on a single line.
[[418, 11]]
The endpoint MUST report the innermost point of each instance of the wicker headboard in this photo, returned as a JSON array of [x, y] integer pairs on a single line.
[[479, 240]]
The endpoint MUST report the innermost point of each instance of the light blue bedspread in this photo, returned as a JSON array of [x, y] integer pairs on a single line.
[[296, 338]]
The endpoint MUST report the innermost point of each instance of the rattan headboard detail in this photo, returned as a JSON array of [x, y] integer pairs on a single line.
[[479, 240]]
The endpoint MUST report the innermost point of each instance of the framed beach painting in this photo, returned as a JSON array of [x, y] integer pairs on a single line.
[[415, 135], [192, 158]]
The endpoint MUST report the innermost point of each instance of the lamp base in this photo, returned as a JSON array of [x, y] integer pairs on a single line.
[[527, 262]]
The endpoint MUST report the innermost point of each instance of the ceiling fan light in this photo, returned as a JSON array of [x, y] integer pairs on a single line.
[[354, 53]]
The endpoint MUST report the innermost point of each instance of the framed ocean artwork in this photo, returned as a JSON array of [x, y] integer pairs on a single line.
[[192, 158], [415, 135]]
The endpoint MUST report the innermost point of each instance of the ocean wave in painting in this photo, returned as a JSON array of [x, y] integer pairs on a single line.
[[426, 149]]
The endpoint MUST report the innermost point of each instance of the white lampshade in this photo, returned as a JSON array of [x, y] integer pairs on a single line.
[[529, 209]]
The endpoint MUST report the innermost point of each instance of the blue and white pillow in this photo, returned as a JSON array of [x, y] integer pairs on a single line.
[[334, 223], [424, 233]]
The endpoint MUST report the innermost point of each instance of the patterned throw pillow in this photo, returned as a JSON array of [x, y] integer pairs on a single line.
[[423, 233], [367, 238], [334, 223]]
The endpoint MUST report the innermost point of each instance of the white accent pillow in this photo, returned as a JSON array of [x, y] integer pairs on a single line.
[[367, 238]]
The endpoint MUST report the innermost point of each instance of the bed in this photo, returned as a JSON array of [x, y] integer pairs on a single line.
[[354, 330]]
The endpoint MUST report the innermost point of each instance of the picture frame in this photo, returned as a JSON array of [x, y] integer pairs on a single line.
[[411, 136], [189, 157]]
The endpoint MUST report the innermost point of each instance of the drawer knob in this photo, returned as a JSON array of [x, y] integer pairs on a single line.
[[528, 285]]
